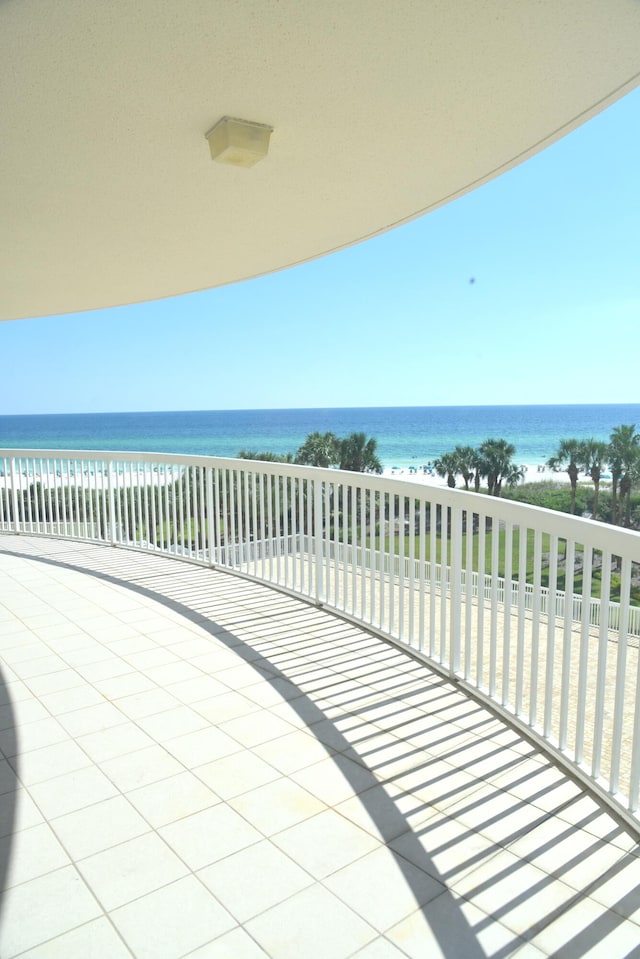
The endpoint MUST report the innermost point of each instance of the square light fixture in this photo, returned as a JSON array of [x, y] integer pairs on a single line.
[[238, 142]]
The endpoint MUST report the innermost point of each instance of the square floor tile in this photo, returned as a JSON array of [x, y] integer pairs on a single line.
[[236, 774], [132, 770], [32, 736], [17, 811], [106, 669], [173, 671], [72, 791], [55, 682], [172, 723], [94, 940], [30, 853], [99, 826], [173, 798], [449, 926], [313, 924], [147, 659], [382, 949], [378, 811], [126, 683], [131, 869], [146, 703], [39, 666], [208, 836], [113, 742], [225, 706], [587, 928], [202, 746], [8, 779], [68, 700], [513, 891], [41, 764], [171, 921], [43, 908], [276, 806], [383, 887], [444, 847], [291, 752], [251, 731], [16, 714], [201, 688], [236, 944], [334, 779], [325, 843], [91, 719], [254, 879], [569, 853]]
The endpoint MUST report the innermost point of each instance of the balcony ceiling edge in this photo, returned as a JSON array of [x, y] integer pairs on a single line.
[[380, 113]]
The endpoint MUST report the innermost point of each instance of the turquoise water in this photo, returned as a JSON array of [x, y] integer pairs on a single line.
[[406, 435]]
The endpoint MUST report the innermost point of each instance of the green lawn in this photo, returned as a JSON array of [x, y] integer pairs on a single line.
[[515, 546]]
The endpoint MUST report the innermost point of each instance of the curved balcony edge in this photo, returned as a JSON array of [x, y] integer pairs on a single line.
[[528, 610]]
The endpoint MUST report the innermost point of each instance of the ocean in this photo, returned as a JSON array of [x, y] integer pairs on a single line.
[[407, 436]]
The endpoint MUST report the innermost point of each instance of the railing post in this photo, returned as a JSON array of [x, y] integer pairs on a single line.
[[318, 535], [455, 617], [211, 525], [14, 497], [112, 505]]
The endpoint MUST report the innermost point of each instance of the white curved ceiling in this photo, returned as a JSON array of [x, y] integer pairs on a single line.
[[381, 111]]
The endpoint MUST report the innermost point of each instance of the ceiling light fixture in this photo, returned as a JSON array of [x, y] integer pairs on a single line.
[[238, 142]]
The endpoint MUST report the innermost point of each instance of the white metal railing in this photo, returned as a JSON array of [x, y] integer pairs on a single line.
[[497, 595], [392, 563]]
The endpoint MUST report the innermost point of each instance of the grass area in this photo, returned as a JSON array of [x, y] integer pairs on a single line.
[[394, 545]]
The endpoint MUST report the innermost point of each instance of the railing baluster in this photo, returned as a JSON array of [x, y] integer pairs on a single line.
[[523, 538], [584, 654], [319, 541], [456, 590], [566, 682], [535, 630], [433, 567], [422, 577], [601, 674], [551, 635], [493, 629], [506, 627], [482, 530], [621, 676]]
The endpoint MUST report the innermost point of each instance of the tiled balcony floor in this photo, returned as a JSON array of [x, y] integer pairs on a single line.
[[198, 766]]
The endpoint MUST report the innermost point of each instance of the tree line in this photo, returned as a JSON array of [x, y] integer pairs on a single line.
[[493, 462], [356, 453]]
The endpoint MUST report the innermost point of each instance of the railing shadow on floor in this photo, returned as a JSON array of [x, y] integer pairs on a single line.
[[480, 872], [389, 820], [8, 785]]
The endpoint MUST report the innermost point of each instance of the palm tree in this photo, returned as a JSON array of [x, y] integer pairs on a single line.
[[359, 454], [624, 453], [447, 466], [319, 449], [496, 463], [568, 456], [514, 475], [594, 456], [468, 463]]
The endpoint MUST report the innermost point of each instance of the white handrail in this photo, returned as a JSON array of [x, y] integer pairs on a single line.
[[456, 577]]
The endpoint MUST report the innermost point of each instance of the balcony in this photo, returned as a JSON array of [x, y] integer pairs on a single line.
[[380, 736]]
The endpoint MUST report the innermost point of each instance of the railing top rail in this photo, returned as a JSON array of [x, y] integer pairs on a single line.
[[601, 536]]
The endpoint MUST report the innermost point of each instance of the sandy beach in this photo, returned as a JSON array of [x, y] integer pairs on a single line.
[[532, 474]]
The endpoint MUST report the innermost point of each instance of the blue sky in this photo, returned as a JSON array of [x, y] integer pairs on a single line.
[[553, 314]]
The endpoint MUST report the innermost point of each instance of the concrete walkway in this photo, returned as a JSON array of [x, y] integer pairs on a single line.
[[194, 765]]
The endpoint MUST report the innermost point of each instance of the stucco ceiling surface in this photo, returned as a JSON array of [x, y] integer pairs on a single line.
[[381, 111]]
